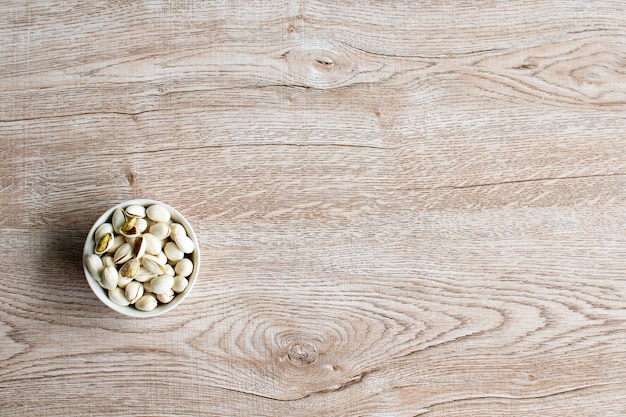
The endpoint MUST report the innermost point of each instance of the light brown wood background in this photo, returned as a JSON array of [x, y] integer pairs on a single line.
[[404, 207]]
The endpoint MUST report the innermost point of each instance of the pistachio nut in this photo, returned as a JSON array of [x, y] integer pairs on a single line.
[[130, 228], [108, 261], [140, 256], [161, 284], [117, 242], [180, 283], [144, 275], [109, 278], [146, 303], [184, 267], [140, 246], [157, 213], [162, 258], [177, 229], [136, 211], [123, 253], [153, 244], [173, 252], [122, 282], [160, 230], [118, 219], [169, 270], [103, 229], [141, 224], [104, 244], [94, 266], [133, 291], [166, 297], [184, 243], [117, 296], [130, 269], [152, 264]]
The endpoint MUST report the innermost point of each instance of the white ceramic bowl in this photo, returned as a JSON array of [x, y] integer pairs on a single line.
[[131, 311]]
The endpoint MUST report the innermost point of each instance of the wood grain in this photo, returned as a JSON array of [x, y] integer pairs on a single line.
[[404, 208]]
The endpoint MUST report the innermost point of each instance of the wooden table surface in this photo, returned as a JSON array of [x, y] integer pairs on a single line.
[[403, 207]]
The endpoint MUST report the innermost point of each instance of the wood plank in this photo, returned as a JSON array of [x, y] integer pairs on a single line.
[[403, 208]]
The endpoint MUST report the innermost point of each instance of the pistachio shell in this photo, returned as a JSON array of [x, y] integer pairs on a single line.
[[102, 230], [169, 270], [177, 229], [146, 286], [130, 269], [123, 253], [153, 244], [142, 225], [184, 267], [184, 243], [139, 246], [136, 211], [108, 261], [133, 291], [94, 266], [117, 219], [161, 284], [162, 258], [117, 296], [122, 282], [130, 228], [117, 242], [173, 252], [180, 283], [144, 275], [160, 230], [109, 278], [146, 303], [158, 213], [152, 264], [104, 244], [166, 297]]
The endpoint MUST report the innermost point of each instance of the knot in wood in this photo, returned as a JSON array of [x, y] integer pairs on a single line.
[[320, 65], [301, 354]]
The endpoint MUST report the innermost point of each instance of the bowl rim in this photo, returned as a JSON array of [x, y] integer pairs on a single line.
[[101, 293]]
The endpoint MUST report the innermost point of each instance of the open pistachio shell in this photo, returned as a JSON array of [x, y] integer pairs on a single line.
[[144, 275], [104, 244], [152, 264], [130, 269], [133, 291], [136, 211], [123, 253], [105, 228], [140, 245]]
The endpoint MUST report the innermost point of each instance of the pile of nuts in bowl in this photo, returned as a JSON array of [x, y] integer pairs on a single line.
[[141, 257]]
